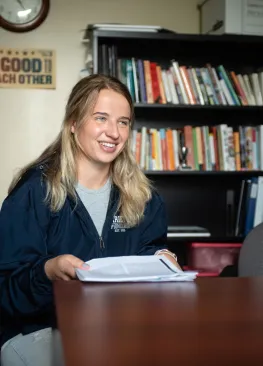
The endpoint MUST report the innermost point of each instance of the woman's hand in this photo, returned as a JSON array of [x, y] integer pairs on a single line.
[[169, 255], [63, 267], [171, 259]]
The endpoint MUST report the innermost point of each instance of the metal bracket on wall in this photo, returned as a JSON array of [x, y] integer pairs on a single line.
[[217, 25]]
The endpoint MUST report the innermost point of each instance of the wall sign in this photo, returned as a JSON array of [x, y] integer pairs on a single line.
[[29, 68], [253, 17]]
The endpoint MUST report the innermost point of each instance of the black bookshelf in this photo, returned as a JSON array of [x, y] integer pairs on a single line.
[[229, 108], [220, 173], [206, 239], [231, 50], [167, 35], [192, 197]]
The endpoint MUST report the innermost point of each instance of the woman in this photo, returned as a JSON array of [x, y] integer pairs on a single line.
[[83, 198]]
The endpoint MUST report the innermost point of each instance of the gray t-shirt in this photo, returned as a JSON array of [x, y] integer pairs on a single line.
[[96, 202]]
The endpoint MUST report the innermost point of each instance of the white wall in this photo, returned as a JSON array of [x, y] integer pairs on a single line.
[[30, 119]]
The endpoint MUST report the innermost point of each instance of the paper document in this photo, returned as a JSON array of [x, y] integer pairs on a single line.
[[150, 268]]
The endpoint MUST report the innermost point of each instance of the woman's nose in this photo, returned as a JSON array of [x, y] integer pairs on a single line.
[[112, 130]]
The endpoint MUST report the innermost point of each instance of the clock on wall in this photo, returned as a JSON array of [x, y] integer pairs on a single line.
[[23, 15]]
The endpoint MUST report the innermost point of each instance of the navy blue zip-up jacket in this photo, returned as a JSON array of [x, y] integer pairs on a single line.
[[30, 234]]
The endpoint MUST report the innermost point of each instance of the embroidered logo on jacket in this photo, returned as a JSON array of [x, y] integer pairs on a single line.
[[118, 225]]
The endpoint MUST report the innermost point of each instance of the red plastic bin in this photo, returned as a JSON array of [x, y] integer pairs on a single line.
[[212, 257], [201, 273]]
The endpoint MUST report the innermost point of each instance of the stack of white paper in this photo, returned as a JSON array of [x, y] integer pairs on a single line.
[[133, 269], [126, 27]]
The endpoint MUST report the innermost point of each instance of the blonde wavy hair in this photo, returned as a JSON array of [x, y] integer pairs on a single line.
[[60, 156]]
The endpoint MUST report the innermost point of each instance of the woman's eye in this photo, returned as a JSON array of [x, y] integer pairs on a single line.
[[102, 119], [124, 123]]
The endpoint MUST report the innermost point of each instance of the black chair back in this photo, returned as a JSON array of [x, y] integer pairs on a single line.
[[250, 261]]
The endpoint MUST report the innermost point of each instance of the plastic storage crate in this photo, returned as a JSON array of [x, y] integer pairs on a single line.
[[211, 258]]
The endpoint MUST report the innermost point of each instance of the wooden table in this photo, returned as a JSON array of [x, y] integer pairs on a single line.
[[212, 321]]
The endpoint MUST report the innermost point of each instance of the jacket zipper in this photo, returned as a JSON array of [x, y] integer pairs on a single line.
[[102, 246]]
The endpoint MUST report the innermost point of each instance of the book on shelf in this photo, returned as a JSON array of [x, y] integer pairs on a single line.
[[250, 205], [210, 148], [150, 82]]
